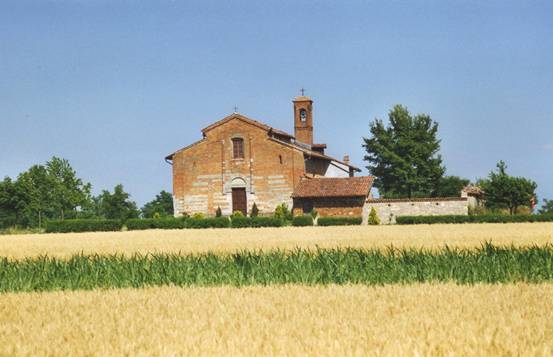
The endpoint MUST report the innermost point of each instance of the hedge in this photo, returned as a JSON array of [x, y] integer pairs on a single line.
[[213, 222], [155, 223], [302, 221], [339, 221], [267, 222], [83, 225], [474, 219]]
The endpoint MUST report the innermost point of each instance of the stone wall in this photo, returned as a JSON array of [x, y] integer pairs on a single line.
[[389, 209]]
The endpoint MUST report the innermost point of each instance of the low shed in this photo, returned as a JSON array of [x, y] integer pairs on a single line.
[[332, 196]]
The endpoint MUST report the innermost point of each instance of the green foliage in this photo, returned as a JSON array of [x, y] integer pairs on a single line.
[[83, 225], [116, 205], [339, 221], [240, 222], [237, 214], [9, 204], [282, 212], [404, 155], [450, 186], [255, 210], [162, 205], [256, 222], [218, 212], [213, 222], [373, 220], [152, 223], [487, 264], [547, 207], [266, 222], [67, 191], [198, 215], [474, 219], [302, 221], [504, 191], [314, 214]]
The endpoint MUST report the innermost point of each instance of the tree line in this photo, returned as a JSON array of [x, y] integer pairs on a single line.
[[405, 160], [53, 191]]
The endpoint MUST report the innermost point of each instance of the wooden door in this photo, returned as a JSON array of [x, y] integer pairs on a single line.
[[239, 202]]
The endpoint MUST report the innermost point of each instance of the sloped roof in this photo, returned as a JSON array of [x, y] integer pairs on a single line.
[[270, 130], [334, 187], [247, 120]]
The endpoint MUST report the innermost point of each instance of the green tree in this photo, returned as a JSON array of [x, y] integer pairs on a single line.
[[68, 192], [450, 186], [116, 205], [547, 207], [502, 191], [9, 212], [162, 205], [404, 155], [35, 195]]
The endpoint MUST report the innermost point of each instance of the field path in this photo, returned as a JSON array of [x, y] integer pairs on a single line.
[[232, 240]]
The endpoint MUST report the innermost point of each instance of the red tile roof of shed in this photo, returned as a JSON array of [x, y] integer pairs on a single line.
[[334, 187]]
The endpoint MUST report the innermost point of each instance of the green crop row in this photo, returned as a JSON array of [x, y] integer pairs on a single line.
[[487, 264]]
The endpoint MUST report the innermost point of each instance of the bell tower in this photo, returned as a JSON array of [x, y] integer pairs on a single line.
[[303, 119]]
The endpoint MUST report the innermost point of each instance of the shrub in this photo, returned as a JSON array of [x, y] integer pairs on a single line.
[[374, 220], [198, 216], [302, 221], [314, 214], [161, 223], [266, 222], [282, 212], [237, 214], [255, 211], [83, 225], [339, 221], [213, 222], [240, 222], [218, 212], [473, 219]]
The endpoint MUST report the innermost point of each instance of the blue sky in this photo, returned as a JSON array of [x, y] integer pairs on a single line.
[[114, 86]]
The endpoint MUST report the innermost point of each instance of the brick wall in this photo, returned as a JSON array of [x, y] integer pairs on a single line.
[[342, 206], [204, 173], [388, 210]]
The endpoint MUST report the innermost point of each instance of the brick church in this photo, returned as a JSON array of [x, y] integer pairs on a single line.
[[240, 161]]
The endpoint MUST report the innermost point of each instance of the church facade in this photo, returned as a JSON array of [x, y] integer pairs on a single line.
[[240, 161]]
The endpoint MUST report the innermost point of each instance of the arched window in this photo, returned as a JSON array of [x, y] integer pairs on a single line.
[[238, 148], [303, 115]]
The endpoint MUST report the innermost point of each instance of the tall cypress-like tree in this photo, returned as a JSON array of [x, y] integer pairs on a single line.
[[403, 156]]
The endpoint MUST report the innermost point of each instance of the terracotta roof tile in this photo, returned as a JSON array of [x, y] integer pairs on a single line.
[[334, 187]]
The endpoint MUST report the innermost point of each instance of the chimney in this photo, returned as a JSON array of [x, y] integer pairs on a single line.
[[303, 119], [346, 159]]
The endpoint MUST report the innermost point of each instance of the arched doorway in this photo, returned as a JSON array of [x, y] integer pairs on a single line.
[[239, 197]]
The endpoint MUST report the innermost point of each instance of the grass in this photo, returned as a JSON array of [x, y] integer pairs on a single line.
[[487, 264], [393, 320], [227, 241]]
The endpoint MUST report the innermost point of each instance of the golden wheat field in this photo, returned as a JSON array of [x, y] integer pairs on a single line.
[[396, 320], [232, 240]]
